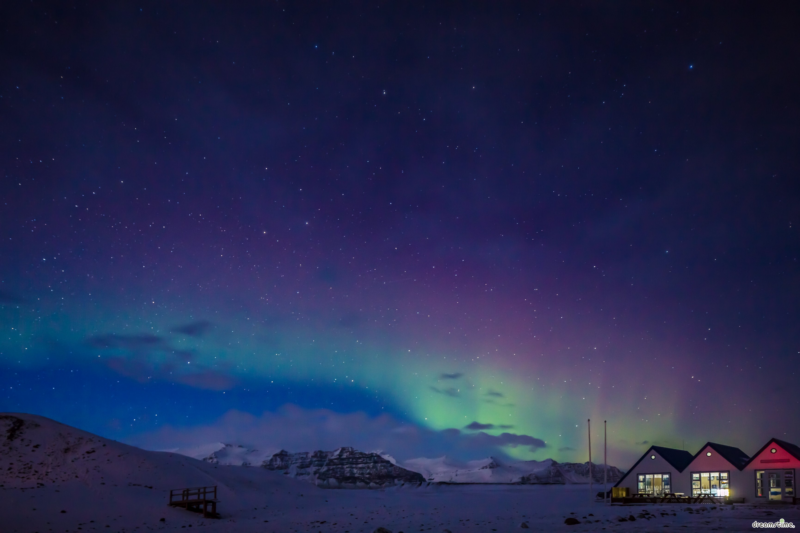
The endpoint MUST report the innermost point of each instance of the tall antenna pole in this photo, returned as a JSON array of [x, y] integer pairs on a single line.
[[605, 460], [589, 427]]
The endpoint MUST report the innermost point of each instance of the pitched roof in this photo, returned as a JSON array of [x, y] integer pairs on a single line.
[[793, 449], [734, 456], [678, 459]]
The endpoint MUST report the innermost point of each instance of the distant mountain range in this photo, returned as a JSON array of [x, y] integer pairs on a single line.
[[350, 468], [492, 470]]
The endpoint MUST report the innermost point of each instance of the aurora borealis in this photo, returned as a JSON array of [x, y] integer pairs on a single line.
[[501, 220]]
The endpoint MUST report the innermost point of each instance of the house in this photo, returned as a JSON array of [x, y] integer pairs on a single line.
[[717, 470], [772, 471], [657, 472]]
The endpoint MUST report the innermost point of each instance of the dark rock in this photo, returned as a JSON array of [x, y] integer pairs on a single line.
[[631, 518], [572, 521], [524, 525], [381, 530]]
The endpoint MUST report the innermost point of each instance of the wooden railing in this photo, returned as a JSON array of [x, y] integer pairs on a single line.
[[192, 495], [200, 499]]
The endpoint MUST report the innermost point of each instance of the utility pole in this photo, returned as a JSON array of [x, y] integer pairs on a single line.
[[589, 425], [605, 460]]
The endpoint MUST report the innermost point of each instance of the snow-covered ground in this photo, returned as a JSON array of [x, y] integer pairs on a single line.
[[75, 481]]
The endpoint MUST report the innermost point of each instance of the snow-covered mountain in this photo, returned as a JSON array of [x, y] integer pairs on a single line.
[[493, 470], [219, 453], [342, 468], [197, 452], [349, 468], [235, 455]]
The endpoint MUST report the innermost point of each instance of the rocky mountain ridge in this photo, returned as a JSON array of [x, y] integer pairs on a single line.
[[350, 468], [342, 468]]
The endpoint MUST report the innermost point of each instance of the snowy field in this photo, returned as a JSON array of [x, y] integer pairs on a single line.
[[256, 500], [54, 478]]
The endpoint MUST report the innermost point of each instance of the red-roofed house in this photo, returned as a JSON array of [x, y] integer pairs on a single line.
[[772, 472]]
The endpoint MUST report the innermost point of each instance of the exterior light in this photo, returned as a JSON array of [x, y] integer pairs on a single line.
[[773, 450], [708, 454], [652, 457]]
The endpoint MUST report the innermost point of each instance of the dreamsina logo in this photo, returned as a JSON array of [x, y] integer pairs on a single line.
[[779, 523]]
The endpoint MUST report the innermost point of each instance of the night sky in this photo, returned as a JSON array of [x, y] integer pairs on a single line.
[[428, 228]]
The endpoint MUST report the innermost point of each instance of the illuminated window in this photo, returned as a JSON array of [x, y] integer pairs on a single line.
[[760, 484], [711, 483], [655, 484]]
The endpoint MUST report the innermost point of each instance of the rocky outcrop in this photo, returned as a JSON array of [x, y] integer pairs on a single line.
[[581, 471], [561, 473], [342, 468], [552, 475]]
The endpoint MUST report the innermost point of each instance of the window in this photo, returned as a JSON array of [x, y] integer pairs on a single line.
[[655, 484], [788, 483], [712, 483], [760, 484]]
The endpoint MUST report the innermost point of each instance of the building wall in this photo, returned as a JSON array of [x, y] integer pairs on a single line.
[[759, 463], [654, 466], [717, 463]]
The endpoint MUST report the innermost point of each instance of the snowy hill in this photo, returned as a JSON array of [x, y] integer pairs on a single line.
[[198, 452], [53, 473], [492, 470]]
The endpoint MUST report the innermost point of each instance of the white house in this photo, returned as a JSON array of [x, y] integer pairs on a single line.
[[657, 472], [717, 470]]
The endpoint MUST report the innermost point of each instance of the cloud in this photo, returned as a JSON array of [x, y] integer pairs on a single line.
[[9, 298], [476, 426], [147, 357], [495, 394], [643, 443], [566, 449], [508, 439], [297, 429], [194, 329], [451, 376], [451, 391]]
